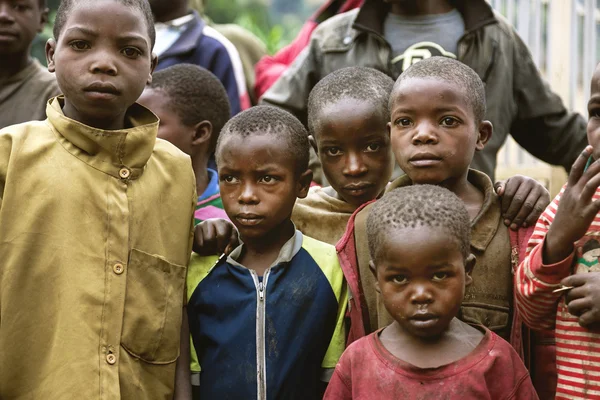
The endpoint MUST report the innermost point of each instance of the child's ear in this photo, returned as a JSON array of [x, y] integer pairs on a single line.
[[202, 133], [484, 134], [374, 272], [469, 265], [304, 183], [43, 19], [50, 49], [153, 64], [313, 143]]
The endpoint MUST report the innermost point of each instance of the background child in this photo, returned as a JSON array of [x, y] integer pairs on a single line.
[[269, 318], [437, 124], [563, 253], [348, 116], [92, 296], [420, 247], [182, 36], [25, 86], [192, 106]]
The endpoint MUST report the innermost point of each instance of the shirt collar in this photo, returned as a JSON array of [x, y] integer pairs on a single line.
[[485, 225], [177, 22], [287, 252], [121, 153]]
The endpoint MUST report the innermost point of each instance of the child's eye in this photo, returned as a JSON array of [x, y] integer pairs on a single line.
[[400, 279], [21, 7], [79, 45], [594, 113], [229, 178], [449, 121], [373, 147], [268, 179], [131, 52], [333, 151], [440, 276], [403, 122]]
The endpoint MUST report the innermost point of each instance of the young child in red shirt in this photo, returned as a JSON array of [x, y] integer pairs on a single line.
[[419, 241]]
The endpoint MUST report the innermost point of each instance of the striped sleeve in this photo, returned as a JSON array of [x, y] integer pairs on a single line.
[[535, 281]]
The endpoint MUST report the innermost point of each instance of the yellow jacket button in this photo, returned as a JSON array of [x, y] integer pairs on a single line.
[[124, 173], [118, 268], [111, 359]]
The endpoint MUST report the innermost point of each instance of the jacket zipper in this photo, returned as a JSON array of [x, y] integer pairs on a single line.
[[261, 357]]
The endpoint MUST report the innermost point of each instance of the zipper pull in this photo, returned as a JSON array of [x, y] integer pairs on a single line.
[[261, 289]]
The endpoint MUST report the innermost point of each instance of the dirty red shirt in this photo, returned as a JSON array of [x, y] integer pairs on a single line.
[[368, 371]]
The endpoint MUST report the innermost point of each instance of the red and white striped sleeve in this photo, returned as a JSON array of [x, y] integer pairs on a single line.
[[535, 281]]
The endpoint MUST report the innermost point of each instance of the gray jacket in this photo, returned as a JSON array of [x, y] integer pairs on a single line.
[[519, 101]]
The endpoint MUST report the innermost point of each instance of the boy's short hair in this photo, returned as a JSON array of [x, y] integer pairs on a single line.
[[415, 206], [269, 120], [195, 95], [359, 83], [453, 71], [66, 6]]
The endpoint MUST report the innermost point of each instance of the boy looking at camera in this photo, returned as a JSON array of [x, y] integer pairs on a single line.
[[25, 85], [420, 250], [558, 284], [192, 106], [267, 320], [96, 220]]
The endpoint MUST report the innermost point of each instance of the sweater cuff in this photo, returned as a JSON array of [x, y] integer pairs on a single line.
[[550, 273]]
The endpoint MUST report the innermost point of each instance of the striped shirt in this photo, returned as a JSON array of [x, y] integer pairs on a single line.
[[577, 348]]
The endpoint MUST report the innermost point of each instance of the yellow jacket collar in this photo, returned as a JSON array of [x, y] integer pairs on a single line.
[[121, 153]]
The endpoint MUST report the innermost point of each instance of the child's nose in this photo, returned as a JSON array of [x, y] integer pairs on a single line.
[[248, 195], [103, 63], [421, 295], [354, 165], [425, 134], [5, 14]]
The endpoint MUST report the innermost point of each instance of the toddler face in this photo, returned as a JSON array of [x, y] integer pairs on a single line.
[[421, 276], [354, 148]]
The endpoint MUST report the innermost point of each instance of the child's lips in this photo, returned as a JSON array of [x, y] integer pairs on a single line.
[[102, 90], [249, 219], [425, 160], [7, 35], [358, 189]]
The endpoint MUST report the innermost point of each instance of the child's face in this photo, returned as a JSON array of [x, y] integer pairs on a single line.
[[20, 21], [593, 127], [259, 183], [433, 130], [171, 128], [103, 59], [421, 275], [353, 145]]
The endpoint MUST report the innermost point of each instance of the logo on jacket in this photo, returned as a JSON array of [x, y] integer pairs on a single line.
[[420, 51]]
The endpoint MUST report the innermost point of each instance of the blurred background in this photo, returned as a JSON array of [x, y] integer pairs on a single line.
[[563, 36], [274, 22]]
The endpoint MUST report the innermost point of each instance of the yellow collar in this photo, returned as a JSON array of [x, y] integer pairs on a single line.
[[121, 153]]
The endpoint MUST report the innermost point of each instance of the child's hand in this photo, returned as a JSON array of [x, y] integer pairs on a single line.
[[576, 209], [523, 200], [583, 300], [215, 236]]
